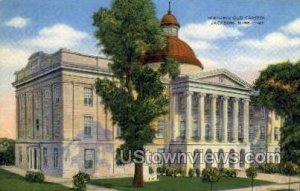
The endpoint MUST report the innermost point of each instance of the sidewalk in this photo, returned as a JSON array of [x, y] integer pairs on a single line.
[[67, 182]]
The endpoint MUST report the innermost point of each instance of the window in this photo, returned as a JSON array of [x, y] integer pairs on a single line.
[[263, 113], [161, 128], [181, 104], [196, 129], [37, 124], [89, 155], [262, 132], [55, 158], [56, 92], [195, 101], [88, 96], [207, 132], [241, 132], [119, 131], [276, 134], [182, 128], [20, 154], [251, 133], [45, 160], [251, 111], [88, 123]]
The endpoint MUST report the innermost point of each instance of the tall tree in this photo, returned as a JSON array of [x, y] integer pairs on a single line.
[[279, 90], [136, 96]]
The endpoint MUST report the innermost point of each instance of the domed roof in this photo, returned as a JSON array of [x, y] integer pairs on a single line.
[[169, 19], [176, 49]]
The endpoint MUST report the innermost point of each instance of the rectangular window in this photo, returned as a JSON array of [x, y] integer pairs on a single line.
[[37, 124], [251, 133], [56, 94], [55, 158], [276, 134], [161, 128], [196, 132], [45, 160], [89, 156], [262, 132], [20, 154], [88, 123], [263, 113], [182, 129], [88, 96], [119, 131]]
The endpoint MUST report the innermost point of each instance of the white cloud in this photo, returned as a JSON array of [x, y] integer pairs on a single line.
[[17, 22], [207, 31], [293, 27], [57, 36], [13, 57], [272, 41]]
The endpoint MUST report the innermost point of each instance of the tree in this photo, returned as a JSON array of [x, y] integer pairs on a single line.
[[7, 151], [289, 169], [251, 173], [279, 91], [211, 175], [136, 95]]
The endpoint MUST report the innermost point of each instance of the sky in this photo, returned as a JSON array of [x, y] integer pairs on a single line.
[[269, 33]]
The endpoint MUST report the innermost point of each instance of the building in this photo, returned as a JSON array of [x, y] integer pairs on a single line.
[[62, 127]]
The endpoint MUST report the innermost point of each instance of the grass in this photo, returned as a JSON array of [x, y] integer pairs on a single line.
[[177, 184], [13, 182]]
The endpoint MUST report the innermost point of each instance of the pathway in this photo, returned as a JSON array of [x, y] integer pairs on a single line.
[[63, 181]]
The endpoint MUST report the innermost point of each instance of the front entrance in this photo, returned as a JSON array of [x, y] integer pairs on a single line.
[[34, 158]]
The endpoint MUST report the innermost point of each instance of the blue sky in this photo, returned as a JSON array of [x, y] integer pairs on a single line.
[[47, 25]]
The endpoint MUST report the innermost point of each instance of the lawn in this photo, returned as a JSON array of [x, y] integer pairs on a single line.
[[177, 184], [13, 182]]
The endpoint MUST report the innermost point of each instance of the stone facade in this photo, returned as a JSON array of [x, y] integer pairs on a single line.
[[63, 128]]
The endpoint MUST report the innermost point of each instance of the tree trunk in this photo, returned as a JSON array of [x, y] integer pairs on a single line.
[[252, 183], [289, 182], [138, 180]]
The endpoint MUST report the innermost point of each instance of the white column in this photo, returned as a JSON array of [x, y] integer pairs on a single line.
[[246, 119], [188, 115], [173, 116], [235, 119], [202, 116], [213, 116], [225, 119]]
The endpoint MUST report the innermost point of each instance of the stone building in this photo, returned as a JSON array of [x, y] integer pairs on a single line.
[[62, 126]]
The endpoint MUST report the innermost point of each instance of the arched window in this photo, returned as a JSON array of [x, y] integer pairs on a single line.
[[208, 158], [242, 158], [221, 159], [231, 158], [196, 159]]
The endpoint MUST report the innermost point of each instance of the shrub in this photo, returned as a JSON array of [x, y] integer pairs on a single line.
[[251, 173], [161, 170], [180, 171], [269, 168], [80, 181], [229, 172], [34, 176], [211, 175], [7, 151], [170, 171], [191, 173], [197, 172]]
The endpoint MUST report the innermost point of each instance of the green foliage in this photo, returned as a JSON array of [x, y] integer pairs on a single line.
[[251, 172], [269, 168], [161, 169], [191, 172], [80, 181], [289, 168], [170, 171], [279, 90], [7, 151], [180, 170], [135, 96], [211, 175], [197, 172], [34, 176], [228, 172]]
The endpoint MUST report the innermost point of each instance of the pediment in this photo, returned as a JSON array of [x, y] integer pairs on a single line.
[[221, 77]]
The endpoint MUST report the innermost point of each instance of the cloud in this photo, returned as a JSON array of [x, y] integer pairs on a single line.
[[292, 28], [207, 31], [12, 57], [57, 36], [272, 41], [17, 22]]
